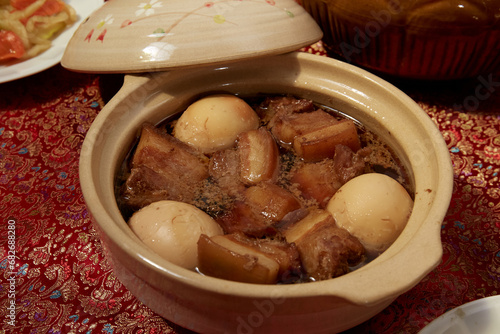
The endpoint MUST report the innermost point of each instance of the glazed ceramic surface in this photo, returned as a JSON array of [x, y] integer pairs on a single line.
[[142, 36], [211, 305], [418, 39]]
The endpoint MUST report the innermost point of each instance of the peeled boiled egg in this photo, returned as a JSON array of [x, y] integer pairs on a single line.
[[374, 208], [172, 229], [214, 122]]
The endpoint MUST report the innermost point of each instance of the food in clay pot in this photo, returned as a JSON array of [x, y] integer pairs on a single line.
[[213, 123], [268, 184], [356, 207], [172, 230]]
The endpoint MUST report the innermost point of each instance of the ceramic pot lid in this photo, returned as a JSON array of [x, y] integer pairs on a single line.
[[128, 36]]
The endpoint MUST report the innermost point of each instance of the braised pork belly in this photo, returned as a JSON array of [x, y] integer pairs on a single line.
[[163, 168], [325, 250], [268, 192], [252, 260]]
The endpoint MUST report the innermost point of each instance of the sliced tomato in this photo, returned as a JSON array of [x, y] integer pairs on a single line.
[[21, 4], [50, 7], [11, 46]]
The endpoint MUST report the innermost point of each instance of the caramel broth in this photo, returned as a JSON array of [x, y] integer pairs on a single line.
[[381, 159]]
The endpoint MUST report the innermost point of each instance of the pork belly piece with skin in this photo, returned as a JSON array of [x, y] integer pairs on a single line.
[[349, 164], [285, 127], [164, 168], [145, 186], [312, 133], [271, 201], [255, 159], [321, 180], [326, 251], [282, 105], [246, 259], [262, 207], [222, 257], [259, 156], [277, 248], [224, 168], [320, 144], [243, 218], [316, 181]]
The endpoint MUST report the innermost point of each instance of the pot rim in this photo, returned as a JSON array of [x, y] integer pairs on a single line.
[[384, 272]]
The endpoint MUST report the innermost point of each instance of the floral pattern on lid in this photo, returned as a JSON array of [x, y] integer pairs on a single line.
[[152, 35]]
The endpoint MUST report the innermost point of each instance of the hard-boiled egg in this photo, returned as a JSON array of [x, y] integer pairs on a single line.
[[214, 122], [172, 230], [374, 208]]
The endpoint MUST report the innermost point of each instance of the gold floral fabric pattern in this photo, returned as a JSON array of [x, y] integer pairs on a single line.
[[467, 112], [58, 278], [52, 267]]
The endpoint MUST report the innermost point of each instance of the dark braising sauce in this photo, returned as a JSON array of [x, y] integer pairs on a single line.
[[373, 156]]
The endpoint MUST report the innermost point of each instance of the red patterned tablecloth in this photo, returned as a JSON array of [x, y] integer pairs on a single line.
[[53, 270]]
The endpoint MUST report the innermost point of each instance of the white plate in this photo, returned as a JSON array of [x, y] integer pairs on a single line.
[[49, 58], [481, 316]]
